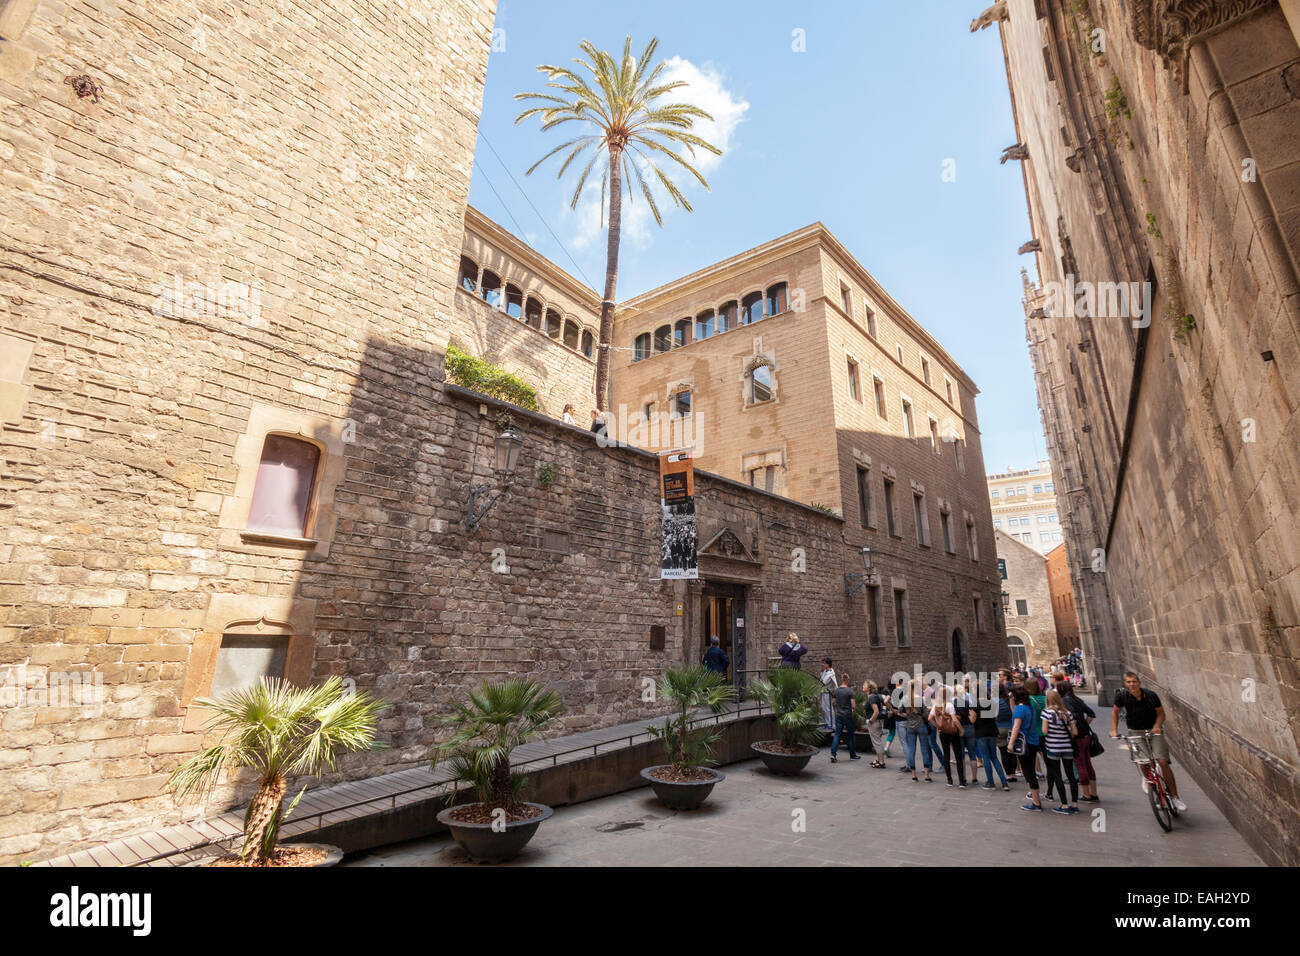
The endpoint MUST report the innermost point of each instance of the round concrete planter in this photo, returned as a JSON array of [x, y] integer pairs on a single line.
[[682, 796], [486, 845], [333, 854], [787, 765]]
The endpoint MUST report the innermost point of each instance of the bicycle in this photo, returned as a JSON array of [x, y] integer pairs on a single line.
[[1162, 804]]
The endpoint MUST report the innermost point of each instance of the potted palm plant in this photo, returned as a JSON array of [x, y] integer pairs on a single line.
[[795, 699], [684, 783], [282, 731], [495, 720]]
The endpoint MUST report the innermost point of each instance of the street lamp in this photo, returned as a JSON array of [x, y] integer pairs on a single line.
[[853, 582], [507, 449]]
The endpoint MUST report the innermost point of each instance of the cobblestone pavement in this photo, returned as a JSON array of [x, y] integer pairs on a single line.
[[856, 815]]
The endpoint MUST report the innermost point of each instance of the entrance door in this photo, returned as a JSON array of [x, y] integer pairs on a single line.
[[958, 655], [722, 615]]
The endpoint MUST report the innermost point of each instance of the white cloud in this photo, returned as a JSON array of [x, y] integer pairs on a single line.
[[706, 89]]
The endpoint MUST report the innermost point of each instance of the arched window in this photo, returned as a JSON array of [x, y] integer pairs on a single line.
[[663, 338], [553, 323], [751, 308], [776, 299], [571, 333], [286, 475], [682, 333], [1015, 650], [588, 343], [642, 349], [682, 403], [760, 384], [468, 274], [514, 301], [491, 289], [705, 324], [533, 312], [727, 316]]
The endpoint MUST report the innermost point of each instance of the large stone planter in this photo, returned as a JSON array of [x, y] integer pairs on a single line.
[[682, 796], [787, 765], [486, 845]]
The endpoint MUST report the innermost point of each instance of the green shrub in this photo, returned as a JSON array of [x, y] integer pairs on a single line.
[[474, 373]]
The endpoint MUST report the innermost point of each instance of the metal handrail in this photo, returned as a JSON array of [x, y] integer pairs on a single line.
[[744, 707]]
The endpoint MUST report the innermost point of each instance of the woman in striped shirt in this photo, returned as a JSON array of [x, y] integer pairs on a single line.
[[1058, 748]]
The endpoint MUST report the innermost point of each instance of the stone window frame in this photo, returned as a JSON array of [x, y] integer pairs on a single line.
[[936, 442], [760, 356], [878, 396], [874, 600], [908, 416], [862, 462], [948, 391], [293, 618], [15, 356], [327, 434], [976, 609], [871, 321], [677, 388], [923, 531], [903, 639], [972, 541], [925, 364], [854, 376], [762, 460], [889, 485], [945, 525]]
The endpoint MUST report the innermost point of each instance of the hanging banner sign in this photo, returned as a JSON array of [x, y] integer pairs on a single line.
[[677, 507]]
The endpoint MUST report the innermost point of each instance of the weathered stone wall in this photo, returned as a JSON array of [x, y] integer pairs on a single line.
[[1062, 593], [299, 173], [1027, 581], [1177, 442]]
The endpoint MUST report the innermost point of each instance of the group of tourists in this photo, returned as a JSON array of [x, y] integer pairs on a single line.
[[1031, 725]]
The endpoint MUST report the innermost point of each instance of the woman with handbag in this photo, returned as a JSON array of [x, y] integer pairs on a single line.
[[949, 714], [1023, 742], [1059, 731], [1084, 743], [915, 729]]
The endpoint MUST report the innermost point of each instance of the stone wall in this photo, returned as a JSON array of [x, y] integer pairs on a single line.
[[250, 222], [1026, 581], [1170, 157], [1061, 586]]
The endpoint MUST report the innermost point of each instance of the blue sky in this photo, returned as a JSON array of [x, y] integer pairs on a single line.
[[854, 131]]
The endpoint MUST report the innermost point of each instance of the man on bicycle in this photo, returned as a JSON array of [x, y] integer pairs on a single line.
[[1142, 712]]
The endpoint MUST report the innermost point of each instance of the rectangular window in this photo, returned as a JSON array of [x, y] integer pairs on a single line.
[[1022, 607], [934, 436], [880, 398], [997, 522], [922, 524], [1002, 568], [945, 520], [282, 492], [1051, 518], [682, 404], [864, 497], [853, 381], [1038, 489], [925, 370], [649, 411], [889, 507], [874, 636], [764, 478], [899, 347], [993, 493], [909, 427], [1047, 487], [900, 617], [243, 659], [871, 323], [947, 384], [846, 300], [971, 544], [979, 618]]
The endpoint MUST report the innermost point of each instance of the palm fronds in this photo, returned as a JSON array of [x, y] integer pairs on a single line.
[[691, 687], [795, 699]]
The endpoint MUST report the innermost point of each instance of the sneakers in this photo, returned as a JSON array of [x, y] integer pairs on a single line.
[[961, 786], [1031, 806], [1073, 809], [1064, 811], [833, 760], [989, 786], [1179, 805], [950, 783], [854, 757], [1006, 788]]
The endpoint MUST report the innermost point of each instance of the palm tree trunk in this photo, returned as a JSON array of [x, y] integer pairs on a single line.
[[262, 810], [501, 796], [611, 277]]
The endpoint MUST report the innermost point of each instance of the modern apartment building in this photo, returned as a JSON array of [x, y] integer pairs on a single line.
[[1024, 506]]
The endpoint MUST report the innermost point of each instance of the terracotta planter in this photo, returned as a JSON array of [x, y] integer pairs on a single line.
[[486, 845], [787, 765], [682, 796]]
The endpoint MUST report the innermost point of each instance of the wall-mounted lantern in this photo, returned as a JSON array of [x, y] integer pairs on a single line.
[[482, 498]]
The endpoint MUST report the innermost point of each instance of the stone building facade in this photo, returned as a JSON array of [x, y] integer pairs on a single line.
[[503, 285], [794, 371], [1024, 506], [231, 251], [1061, 587], [1031, 625], [1158, 144]]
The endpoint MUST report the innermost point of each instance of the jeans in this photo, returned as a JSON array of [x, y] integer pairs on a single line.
[[843, 724], [953, 744], [969, 733], [910, 738], [932, 740], [988, 751], [1054, 777]]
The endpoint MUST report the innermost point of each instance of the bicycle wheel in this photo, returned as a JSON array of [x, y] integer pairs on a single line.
[[1160, 805]]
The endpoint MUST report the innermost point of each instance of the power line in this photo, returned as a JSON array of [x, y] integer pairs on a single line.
[[479, 167], [557, 239]]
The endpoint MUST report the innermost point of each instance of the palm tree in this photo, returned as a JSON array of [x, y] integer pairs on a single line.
[[497, 719], [795, 699], [620, 105], [690, 687], [283, 731]]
